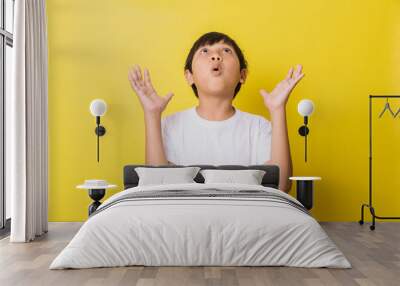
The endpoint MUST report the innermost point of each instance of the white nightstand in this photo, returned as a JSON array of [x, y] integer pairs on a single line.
[[97, 190], [304, 190]]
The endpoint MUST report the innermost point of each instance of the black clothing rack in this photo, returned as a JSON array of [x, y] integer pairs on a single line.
[[369, 205]]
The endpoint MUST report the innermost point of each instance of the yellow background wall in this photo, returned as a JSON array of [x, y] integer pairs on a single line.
[[349, 49]]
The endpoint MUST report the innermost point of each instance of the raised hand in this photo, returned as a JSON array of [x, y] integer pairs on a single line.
[[277, 98], [151, 102]]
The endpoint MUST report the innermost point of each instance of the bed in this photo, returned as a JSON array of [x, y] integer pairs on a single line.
[[199, 224]]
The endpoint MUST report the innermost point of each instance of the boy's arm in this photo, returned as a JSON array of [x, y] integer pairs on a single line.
[[280, 149], [155, 154], [275, 101], [153, 106]]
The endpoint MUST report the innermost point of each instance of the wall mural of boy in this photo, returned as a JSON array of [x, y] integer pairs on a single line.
[[215, 132]]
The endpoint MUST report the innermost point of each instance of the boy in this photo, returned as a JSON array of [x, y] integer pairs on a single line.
[[215, 132]]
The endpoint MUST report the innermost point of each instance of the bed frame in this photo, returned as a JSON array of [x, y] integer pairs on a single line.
[[270, 179]]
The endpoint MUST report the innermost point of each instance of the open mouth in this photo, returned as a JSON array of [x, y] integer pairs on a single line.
[[216, 70]]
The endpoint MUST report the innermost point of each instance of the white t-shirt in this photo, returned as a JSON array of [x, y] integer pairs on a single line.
[[242, 139]]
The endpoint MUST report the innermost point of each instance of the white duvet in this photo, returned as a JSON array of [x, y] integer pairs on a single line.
[[200, 231]]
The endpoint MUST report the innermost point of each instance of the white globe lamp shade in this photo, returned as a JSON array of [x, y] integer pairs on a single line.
[[98, 107], [305, 107]]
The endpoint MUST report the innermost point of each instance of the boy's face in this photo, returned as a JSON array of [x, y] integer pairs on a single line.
[[216, 70]]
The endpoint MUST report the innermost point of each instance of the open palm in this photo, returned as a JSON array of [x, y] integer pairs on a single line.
[[278, 97], [149, 99]]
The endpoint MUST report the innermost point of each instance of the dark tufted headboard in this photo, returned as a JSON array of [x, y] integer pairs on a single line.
[[270, 179]]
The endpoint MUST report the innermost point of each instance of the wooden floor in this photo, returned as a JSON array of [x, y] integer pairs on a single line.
[[375, 256]]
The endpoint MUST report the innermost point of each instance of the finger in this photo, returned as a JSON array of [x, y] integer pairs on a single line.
[[263, 93], [134, 84], [298, 71], [133, 78], [300, 77], [147, 79], [138, 74], [132, 74], [289, 75], [169, 96], [296, 80]]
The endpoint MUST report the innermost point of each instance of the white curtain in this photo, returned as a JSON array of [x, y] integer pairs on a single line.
[[26, 123]]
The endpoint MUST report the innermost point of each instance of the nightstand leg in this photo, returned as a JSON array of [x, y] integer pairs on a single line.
[[305, 193], [96, 195], [93, 207]]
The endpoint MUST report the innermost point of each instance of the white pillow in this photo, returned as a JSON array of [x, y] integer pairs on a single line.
[[161, 176], [249, 177]]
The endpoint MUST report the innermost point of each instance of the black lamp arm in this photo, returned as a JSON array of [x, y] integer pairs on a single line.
[[100, 131], [303, 131]]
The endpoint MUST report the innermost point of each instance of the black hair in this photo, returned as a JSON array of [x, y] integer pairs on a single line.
[[210, 39]]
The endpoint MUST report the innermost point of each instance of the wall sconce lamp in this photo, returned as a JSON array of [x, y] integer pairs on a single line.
[[305, 108], [98, 107]]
